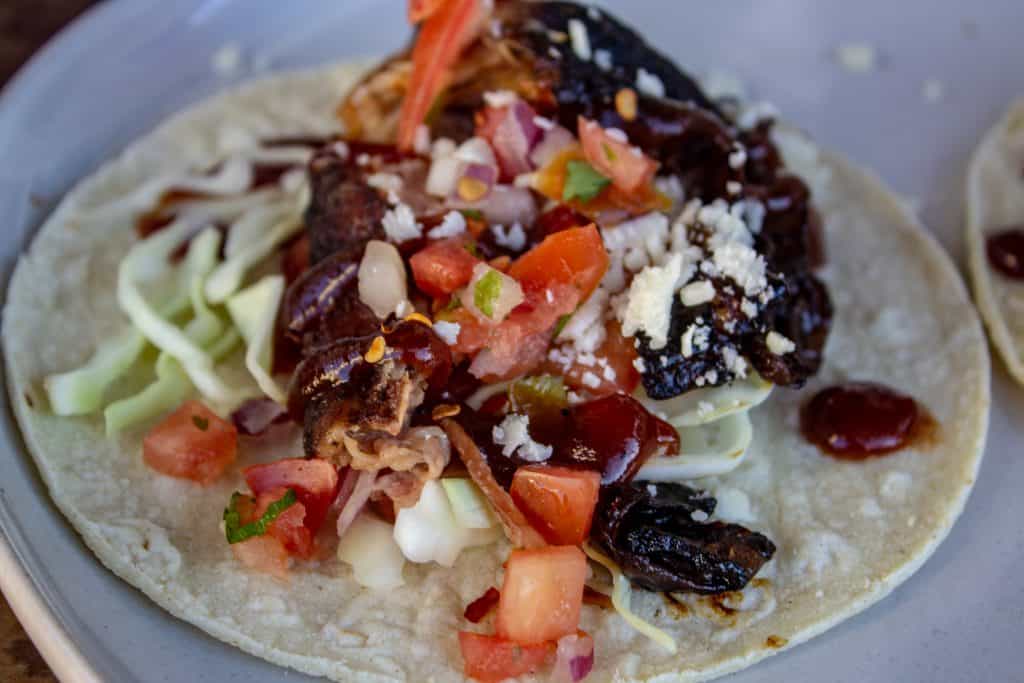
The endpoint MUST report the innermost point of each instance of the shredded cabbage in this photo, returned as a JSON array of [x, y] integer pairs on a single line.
[[150, 258], [271, 227], [254, 311], [369, 547], [80, 391], [706, 450], [469, 506], [428, 531], [621, 593]]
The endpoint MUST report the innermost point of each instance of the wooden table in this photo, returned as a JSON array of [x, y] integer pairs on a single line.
[[24, 26]]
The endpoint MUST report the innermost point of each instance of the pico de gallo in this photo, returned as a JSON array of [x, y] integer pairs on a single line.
[[536, 257]]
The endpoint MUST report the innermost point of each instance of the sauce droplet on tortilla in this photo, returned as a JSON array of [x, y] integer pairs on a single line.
[[1006, 252], [858, 420]]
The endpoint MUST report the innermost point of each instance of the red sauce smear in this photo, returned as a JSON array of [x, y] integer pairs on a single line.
[[482, 606], [859, 420], [1006, 252]]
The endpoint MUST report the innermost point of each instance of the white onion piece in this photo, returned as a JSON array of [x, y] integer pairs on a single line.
[[370, 548], [382, 284], [574, 658], [554, 141], [428, 532], [476, 151], [509, 294], [444, 174], [505, 205], [515, 135], [487, 175]]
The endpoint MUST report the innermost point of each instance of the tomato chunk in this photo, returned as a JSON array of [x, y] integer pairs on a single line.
[[571, 257], [542, 594], [288, 527], [629, 170], [442, 37], [490, 659], [559, 502], [443, 267], [616, 352], [191, 443], [423, 9], [264, 554], [315, 483]]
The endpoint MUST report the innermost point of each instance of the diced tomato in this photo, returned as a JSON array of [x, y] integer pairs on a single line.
[[571, 257], [443, 267], [191, 443], [315, 483], [490, 659], [559, 502], [288, 527], [542, 594], [263, 554], [616, 352], [628, 167], [561, 217], [423, 9], [450, 28]]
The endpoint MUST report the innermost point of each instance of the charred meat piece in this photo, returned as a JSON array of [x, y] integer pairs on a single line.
[[650, 531], [329, 284], [801, 310], [366, 388], [344, 212]]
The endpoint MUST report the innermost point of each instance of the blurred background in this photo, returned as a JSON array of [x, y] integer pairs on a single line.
[[24, 26]]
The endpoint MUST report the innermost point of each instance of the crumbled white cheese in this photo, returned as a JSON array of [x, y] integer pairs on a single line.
[[586, 329], [744, 265], [513, 435], [671, 187], [748, 308], [603, 59], [733, 187], [386, 182], [400, 224], [699, 516], [608, 372], [590, 380], [500, 98], [779, 344], [738, 157], [649, 303], [452, 225], [694, 340], [580, 39], [513, 238], [697, 293], [639, 365], [857, 57], [734, 362], [649, 84], [448, 332]]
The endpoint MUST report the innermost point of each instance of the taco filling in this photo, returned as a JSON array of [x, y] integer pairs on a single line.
[[530, 296]]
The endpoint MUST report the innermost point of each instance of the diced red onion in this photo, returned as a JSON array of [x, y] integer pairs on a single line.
[[255, 416], [505, 205], [514, 137], [359, 483], [553, 142], [487, 175], [574, 658]]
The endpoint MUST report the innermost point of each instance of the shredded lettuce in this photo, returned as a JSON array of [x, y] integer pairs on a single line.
[[621, 593], [237, 532], [254, 311], [149, 258], [278, 224]]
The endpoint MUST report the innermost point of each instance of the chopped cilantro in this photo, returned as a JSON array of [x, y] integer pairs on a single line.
[[453, 304], [486, 292], [472, 248], [472, 214], [583, 182], [237, 532], [201, 423], [560, 325]]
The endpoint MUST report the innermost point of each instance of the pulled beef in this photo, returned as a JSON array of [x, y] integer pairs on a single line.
[[649, 530], [344, 212]]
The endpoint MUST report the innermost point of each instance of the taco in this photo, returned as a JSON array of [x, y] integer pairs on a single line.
[[995, 235], [527, 359]]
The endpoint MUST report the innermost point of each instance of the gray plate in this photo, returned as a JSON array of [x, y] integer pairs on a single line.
[[128, 64]]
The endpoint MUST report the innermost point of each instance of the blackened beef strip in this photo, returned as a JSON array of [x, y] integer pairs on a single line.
[[344, 212], [650, 531]]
